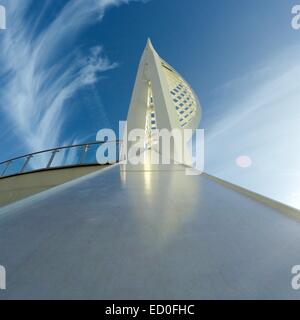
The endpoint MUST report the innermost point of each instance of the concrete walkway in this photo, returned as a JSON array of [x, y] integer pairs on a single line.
[[152, 233]]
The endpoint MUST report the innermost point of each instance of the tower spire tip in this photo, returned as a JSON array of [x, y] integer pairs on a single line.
[[149, 43]]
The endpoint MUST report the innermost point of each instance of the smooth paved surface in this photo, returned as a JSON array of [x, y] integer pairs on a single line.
[[153, 234]]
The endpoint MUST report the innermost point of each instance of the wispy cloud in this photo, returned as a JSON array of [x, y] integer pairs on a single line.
[[40, 70]]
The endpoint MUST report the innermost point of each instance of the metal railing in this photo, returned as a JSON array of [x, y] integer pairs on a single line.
[[68, 156]]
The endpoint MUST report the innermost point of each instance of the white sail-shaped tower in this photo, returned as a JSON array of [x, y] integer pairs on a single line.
[[162, 99]]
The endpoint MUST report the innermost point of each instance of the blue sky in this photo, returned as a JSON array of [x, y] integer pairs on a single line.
[[67, 69]]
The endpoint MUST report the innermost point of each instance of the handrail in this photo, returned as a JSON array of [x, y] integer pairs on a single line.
[[53, 151], [61, 148]]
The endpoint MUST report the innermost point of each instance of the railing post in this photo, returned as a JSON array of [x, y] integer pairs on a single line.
[[84, 152], [6, 167], [54, 152], [26, 163]]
